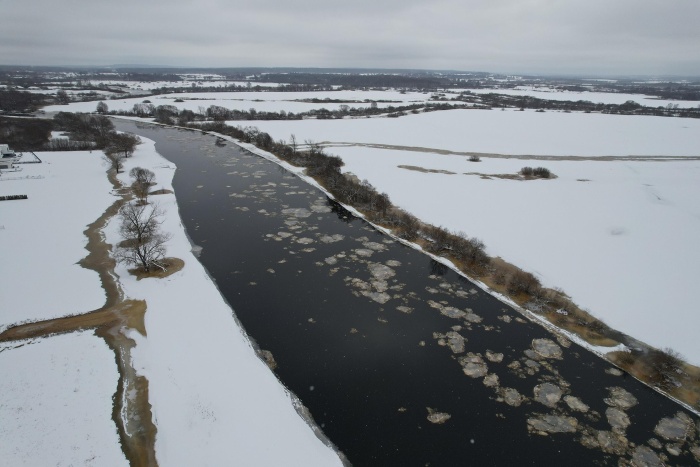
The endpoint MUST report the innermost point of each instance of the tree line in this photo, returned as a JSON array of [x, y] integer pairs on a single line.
[[171, 115], [495, 100]]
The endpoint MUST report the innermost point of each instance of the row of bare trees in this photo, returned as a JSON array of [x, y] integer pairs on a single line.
[[467, 252]]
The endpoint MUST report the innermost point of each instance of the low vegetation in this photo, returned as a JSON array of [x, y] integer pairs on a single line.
[[538, 172]]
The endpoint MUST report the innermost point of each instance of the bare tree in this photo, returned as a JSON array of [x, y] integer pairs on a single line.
[[143, 243], [115, 159], [143, 179], [102, 108], [123, 143], [62, 97]]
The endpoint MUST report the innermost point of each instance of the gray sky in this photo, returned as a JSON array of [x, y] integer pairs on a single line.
[[591, 37]]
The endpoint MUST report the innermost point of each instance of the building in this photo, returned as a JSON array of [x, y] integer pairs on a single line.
[[7, 157]]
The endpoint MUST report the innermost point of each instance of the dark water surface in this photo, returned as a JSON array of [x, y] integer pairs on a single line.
[[358, 325]]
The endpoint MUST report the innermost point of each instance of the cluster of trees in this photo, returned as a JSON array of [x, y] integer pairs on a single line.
[[94, 132], [90, 131], [12, 100], [143, 180], [170, 115], [24, 134], [120, 146], [629, 107]]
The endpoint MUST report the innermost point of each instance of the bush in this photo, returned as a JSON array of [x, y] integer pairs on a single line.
[[474, 158], [539, 172], [542, 172], [523, 282]]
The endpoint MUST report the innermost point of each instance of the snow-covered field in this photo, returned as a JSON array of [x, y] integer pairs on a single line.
[[623, 244], [261, 101], [214, 81], [592, 96], [214, 401], [43, 239], [507, 132], [56, 402]]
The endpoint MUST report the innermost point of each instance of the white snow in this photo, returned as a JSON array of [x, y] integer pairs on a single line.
[[42, 237], [56, 402], [595, 97], [214, 401], [507, 132], [262, 101], [622, 244]]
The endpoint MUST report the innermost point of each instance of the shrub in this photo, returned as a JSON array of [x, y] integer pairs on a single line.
[[474, 158], [522, 282], [541, 172], [527, 171]]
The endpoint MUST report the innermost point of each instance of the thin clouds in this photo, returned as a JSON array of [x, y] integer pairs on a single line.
[[526, 36]]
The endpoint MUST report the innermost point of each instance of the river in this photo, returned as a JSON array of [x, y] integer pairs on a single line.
[[375, 338]]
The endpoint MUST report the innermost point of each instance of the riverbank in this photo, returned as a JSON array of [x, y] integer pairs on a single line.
[[382, 326], [206, 381], [213, 400], [662, 370]]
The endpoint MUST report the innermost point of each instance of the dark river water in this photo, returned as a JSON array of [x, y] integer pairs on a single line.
[[358, 325]]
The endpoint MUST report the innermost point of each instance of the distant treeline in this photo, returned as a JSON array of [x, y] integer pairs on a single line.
[[12, 100], [630, 107], [170, 114]]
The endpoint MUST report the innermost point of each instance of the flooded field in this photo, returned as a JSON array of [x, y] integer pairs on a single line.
[[400, 360]]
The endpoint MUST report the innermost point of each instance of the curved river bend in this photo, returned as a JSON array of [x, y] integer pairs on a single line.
[[382, 344]]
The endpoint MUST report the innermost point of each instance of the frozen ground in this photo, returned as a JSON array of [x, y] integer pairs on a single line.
[[43, 239], [507, 132], [214, 402], [261, 101], [595, 97], [622, 243], [56, 402]]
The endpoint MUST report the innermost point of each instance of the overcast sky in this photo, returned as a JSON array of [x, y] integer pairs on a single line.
[[591, 37]]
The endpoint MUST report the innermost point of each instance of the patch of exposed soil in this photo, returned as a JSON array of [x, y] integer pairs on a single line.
[[131, 414], [172, 265], [416, 168]]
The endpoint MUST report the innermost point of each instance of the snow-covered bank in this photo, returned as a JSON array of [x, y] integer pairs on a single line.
[[619, 237], [56, 402], [43, 239], [214, 402]]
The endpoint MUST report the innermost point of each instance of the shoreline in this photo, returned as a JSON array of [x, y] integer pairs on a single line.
[[613, 349]]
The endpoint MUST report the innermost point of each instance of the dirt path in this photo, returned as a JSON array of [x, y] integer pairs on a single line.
[[112, 321], [340, 144]]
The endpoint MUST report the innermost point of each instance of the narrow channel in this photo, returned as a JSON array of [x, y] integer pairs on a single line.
[[371, 334]]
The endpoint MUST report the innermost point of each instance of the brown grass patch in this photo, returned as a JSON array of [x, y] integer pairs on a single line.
[[162, 191], [517, 177], [644, 368], [173, 265], [416, 168]]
